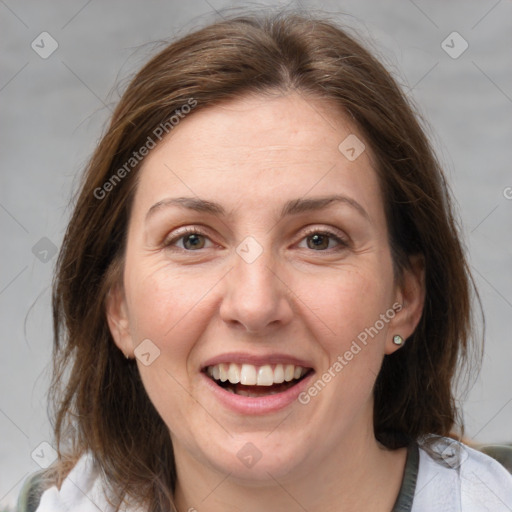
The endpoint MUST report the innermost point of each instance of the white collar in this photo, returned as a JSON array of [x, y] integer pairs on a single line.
[[83, 490], [451, 477]]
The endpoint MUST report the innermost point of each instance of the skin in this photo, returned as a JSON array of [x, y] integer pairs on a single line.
[[252, 155]]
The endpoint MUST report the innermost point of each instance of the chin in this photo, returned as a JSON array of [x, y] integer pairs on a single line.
[[254, 459]]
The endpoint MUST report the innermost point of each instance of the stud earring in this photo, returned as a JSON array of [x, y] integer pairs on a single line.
[[397, 339]]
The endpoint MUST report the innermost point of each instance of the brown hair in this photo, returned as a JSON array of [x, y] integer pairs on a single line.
[[99, 399]]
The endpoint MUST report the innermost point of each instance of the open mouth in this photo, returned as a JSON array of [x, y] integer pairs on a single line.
[[256, 381]]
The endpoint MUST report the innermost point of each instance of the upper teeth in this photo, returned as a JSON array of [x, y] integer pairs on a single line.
[[251, 375]]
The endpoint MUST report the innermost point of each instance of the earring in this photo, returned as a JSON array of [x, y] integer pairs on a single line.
[[397, 339]]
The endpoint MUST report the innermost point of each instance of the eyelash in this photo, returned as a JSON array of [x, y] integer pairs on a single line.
[[343, 243]]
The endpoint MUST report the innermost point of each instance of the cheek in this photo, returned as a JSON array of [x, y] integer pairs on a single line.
[[347, 318], [160, 299], [166, 309], [347, 302]]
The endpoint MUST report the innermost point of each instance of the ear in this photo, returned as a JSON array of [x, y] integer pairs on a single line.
[[118, 319], [410, 295]]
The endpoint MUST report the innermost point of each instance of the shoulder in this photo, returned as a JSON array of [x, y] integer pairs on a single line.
[[452, 477], [83, 489], [38, 495]]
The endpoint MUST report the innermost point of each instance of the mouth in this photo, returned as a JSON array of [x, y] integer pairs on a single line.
[[256, 381]]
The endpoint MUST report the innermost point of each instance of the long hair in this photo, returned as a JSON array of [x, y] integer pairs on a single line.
[[99, 401]]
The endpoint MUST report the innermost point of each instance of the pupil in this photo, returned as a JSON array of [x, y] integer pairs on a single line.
[[194, 239], [319, 238]]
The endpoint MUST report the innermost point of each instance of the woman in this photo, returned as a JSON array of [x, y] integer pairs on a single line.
[[261, 300]]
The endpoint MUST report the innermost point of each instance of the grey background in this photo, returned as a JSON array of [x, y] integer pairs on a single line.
[[53, 112]]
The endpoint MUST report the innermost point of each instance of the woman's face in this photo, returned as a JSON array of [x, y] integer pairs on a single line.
[[258, 250]]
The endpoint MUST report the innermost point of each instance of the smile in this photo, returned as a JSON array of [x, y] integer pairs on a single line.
[[256, 381]]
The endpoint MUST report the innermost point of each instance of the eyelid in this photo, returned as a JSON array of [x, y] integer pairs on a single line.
[[343, 241], [181, 232], [335, 233]]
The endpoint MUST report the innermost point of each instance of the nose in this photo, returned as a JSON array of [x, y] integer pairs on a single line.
[[256, 296]]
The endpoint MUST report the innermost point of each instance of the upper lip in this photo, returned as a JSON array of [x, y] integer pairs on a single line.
[[256, 359]]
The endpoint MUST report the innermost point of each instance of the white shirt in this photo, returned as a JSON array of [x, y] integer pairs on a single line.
[[455, 478], [81, 491], [451, 478]]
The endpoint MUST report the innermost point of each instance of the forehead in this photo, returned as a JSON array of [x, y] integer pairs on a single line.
[[258, 152]]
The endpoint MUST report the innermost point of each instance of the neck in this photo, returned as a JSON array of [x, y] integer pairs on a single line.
[[359, 474]]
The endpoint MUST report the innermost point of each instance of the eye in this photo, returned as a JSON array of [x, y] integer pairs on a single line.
[[193, 238], [319, 240]]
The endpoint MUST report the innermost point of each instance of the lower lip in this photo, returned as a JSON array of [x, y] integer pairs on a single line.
[[257, 405]]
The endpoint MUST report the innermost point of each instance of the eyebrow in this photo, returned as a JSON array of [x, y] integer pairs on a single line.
[[292, 207]]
